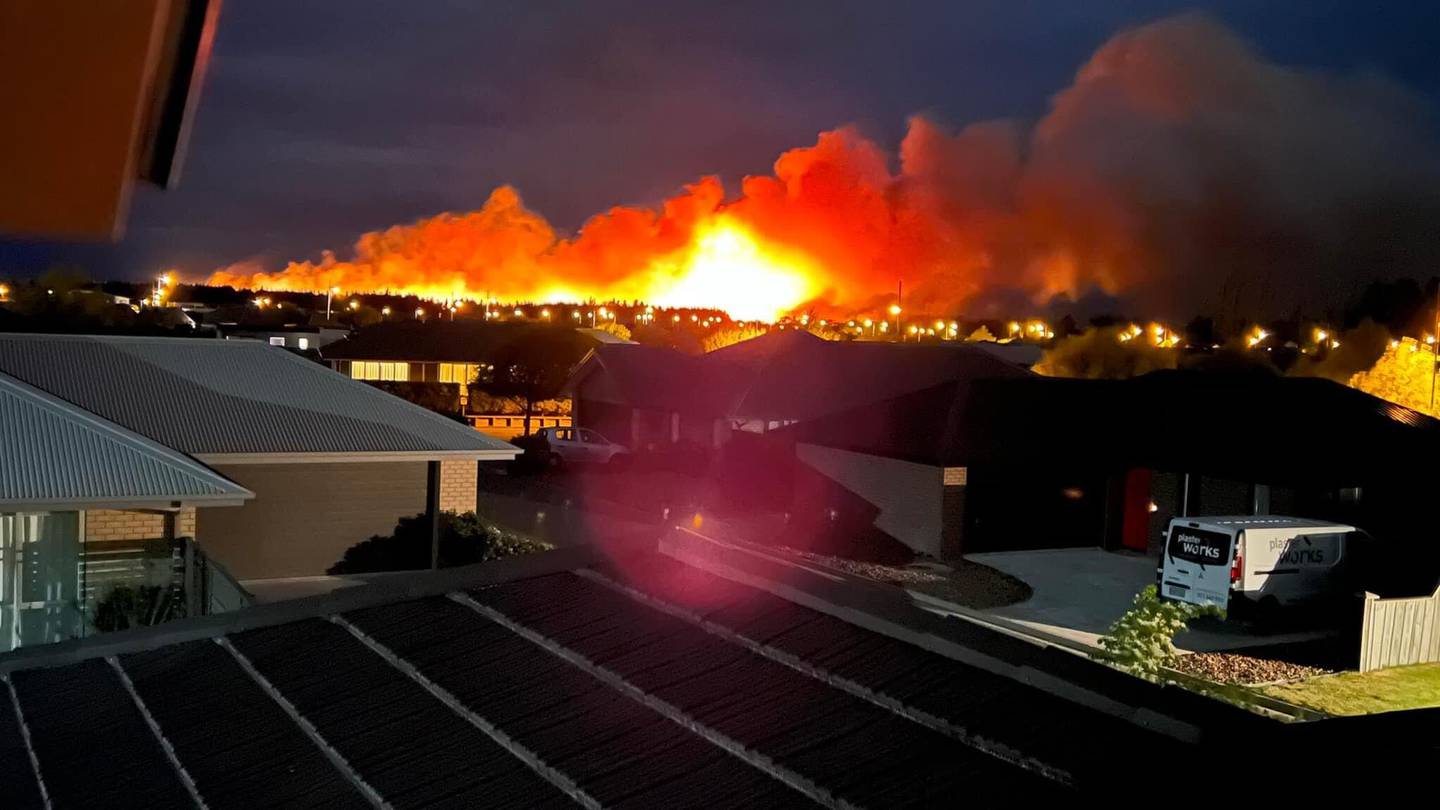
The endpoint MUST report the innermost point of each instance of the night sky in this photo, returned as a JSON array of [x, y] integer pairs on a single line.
[[321, 120]]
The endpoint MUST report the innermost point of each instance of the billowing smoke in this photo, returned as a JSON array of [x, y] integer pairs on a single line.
[[1179, 170]]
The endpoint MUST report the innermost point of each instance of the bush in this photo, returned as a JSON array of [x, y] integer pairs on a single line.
[[464, 539], [1143, 640], [127, 606]]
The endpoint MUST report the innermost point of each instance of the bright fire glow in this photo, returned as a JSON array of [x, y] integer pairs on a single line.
[[729, 269]]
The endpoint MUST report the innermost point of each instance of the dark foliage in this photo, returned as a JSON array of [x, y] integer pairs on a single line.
[[464, 539]]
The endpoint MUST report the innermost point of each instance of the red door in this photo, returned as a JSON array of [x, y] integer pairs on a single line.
[[1135, 524]]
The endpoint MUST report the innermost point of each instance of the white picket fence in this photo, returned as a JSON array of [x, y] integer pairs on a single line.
[[1398, 632]]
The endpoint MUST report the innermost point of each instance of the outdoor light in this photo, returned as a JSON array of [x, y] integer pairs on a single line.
[[868, 323], [419, 313], [354, 305], [1321, 335], [545, 313], [675, 319], [895, 309], [519, 313], [385, 311]]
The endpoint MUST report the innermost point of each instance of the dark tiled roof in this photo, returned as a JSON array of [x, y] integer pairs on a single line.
[[439, 341], [229, 396], [1252, 427], [662, 686], [787, 375]]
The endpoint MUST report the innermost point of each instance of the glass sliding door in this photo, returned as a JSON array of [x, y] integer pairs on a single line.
[[39, 578]]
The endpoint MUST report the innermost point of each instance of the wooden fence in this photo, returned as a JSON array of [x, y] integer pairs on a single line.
[[1398, 632]]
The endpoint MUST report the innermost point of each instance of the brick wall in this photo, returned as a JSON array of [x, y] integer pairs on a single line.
[[132, 524], [304, 516], [457, 486]]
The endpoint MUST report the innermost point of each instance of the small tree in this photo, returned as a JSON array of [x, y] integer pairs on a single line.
[[1143, 640], [535, 365]]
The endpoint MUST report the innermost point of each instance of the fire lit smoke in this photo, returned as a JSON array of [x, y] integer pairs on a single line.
[[1179, 170]]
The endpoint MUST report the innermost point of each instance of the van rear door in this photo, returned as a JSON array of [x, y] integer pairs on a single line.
[[1197, 565]]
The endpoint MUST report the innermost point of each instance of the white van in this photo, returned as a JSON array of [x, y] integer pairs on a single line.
[[1267, 561]]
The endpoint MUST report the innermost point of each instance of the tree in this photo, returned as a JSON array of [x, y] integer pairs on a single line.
[[535, 364], [731, 335], [1101, 354]]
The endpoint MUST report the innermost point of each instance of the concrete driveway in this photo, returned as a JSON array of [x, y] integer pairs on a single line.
[[1080, 592]]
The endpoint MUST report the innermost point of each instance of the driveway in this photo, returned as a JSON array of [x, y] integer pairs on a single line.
[[1080, 592]]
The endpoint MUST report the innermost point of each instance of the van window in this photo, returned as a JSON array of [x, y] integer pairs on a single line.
[[1199, 546]]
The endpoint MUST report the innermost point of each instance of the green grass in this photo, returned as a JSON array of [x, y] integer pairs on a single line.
[[1383, 690]]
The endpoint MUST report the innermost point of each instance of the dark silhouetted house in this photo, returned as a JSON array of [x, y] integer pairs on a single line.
[[999, 464], [330, 461], [647, 397]]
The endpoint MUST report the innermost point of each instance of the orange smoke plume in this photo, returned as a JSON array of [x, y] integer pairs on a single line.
[[1179, 168]]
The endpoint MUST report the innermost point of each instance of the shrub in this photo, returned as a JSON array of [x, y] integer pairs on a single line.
[[1143, 640], [464, 539]]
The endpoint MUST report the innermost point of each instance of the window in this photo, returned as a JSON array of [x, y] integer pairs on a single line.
[[303, 343], [277, 341]]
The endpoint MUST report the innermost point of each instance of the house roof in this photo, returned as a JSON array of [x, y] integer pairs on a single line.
[[658, 685], [57, 454], [235, 400], [786, 374], [1246, 426], [465, 341], [803, 379]]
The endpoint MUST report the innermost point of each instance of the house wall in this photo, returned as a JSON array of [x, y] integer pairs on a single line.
[[304, 516], [132, 524], [457, 486], [908, 495]]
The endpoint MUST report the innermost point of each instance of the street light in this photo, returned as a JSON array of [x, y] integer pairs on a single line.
[[328, 295]]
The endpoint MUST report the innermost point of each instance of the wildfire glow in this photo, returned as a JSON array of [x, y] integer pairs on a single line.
[[729, 269]]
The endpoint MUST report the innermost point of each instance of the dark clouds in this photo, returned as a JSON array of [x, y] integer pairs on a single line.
[[323, 120]]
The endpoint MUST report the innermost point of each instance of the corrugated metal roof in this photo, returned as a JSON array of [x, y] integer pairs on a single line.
[[54, 453], [231, 397]]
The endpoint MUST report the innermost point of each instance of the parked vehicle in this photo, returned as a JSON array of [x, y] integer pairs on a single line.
[[571, 445], [1254, 564]]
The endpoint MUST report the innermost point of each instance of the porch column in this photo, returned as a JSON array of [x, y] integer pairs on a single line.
[[953, 481], [432, 510]]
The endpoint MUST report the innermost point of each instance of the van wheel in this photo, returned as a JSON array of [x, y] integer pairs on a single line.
[[1268, 613]]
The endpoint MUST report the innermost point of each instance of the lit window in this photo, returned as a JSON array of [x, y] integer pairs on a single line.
[[277, 341], [304, 343]]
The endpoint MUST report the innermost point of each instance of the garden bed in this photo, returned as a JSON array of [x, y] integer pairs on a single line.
[[965, 583]]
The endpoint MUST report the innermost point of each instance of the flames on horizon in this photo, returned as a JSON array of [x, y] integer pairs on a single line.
[[1179, 169]]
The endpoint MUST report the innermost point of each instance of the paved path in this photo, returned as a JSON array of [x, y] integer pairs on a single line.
[[1079, 592]]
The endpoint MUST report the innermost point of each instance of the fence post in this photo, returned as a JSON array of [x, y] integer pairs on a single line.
[[1367, 631]]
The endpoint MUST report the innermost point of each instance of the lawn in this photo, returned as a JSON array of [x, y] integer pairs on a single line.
[[1413, 687]]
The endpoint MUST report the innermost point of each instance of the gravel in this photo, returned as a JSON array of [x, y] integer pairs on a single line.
[[1237, 668], [965, 583]]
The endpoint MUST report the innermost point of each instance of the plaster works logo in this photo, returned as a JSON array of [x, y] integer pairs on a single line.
[[1196, 547]]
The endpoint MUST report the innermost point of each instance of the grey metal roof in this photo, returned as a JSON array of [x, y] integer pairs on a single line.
[[233, 397], [53, 453]]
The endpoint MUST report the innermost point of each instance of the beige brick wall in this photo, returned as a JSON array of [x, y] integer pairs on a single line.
[[304, 516], [457, 486], [134, 524]]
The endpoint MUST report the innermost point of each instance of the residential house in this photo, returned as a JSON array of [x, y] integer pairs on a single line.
[[72, 484], [1014, 463], [648, 397], [330, 461], [298, 337], [447, 357]]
